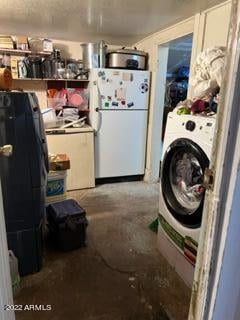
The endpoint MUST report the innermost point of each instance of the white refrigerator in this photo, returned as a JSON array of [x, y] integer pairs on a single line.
[[119, 116]]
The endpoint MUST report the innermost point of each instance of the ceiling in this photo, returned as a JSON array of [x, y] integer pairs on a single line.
[[115, 21]]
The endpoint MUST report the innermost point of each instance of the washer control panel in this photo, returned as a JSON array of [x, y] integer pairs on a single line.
[[190, 125], [197, 128], [202, 127]]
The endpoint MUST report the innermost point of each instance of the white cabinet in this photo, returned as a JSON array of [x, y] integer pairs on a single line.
[[78, 144]]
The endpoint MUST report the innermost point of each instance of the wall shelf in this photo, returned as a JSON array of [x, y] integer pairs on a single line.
[[24, 52], [51, 79]]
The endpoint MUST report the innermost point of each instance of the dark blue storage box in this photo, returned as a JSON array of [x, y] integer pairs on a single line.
[[27, 245], [67, 224]]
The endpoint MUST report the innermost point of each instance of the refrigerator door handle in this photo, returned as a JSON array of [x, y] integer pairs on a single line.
[[99, 120], [97, 94], [99, 97], [97, 112]]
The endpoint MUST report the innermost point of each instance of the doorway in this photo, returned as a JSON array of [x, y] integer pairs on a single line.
[[174, 59]]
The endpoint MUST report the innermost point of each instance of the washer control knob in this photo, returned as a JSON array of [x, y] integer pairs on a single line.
[[190, 125]]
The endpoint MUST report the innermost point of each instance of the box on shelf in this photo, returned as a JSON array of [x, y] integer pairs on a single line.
[[59, 162], [6, 42], [56, 186], [21, 42], [37, 44], [18, 67], [14, 66]]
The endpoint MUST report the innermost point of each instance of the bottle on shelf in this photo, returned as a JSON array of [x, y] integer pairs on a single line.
[[58, 65]]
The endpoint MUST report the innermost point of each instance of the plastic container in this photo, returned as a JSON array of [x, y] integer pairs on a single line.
[[49, 114], [57, 103], [13, 262], [78, 98], [56, 185], [67, 224], [50, 119], [54, 124]]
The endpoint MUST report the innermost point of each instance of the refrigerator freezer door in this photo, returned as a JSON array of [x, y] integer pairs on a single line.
[[120, 143], [120, 89]]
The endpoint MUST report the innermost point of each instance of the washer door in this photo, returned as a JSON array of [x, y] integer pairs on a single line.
[[183, 168]]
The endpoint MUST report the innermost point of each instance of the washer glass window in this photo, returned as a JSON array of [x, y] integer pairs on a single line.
[[186, 178], [181, 180]]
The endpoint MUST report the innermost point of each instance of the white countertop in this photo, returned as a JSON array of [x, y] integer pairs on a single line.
[[85, 128]]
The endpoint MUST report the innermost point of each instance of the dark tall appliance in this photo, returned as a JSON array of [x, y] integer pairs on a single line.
[[23, 176]]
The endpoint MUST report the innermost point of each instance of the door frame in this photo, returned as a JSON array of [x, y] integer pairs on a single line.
[[154, 144], [220, 206], [155, 43]]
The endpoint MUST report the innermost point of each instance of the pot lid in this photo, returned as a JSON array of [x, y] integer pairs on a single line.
[[86, 44], [130, 51]]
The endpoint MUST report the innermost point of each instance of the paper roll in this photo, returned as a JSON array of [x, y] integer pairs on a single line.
[[5, 79]]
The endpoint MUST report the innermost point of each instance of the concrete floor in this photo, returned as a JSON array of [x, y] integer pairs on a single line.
[[120, 275]]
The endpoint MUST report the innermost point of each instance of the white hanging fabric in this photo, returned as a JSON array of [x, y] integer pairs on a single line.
[[208, 72]]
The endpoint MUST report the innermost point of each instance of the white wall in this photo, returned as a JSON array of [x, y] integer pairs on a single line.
[[216, 22], [161, 74], [209, 28], [37, 86]]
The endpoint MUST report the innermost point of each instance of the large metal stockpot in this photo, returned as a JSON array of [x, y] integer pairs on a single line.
[[93, 55], [127, 59]]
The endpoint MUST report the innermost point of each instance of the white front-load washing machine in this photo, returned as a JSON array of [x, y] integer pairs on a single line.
[[187, 151]]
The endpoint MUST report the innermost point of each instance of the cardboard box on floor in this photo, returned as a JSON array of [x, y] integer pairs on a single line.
[[59, 162]]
